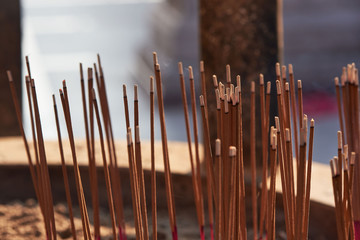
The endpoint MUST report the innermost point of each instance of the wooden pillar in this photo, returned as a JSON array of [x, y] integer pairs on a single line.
[[244, 34], [10, 59]]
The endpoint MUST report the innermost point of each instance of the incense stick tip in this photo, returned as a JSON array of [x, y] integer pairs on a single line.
[[217, 147], [180, 66], [252, 86], [352, 158], [278, 87], [215, 81], [339, 136], [277, 69], [155, 59], [151, 84], [202, 103], [287, 135], [202, 69], [137, 134], [277, 123], [332, 167], [124, 90], [238, 81], [9, 75], [191, 74], [312, 123], [232, 151], [299, 84], [261, 76], [268, 87], [283, 70], [136, 92], [291, 69]]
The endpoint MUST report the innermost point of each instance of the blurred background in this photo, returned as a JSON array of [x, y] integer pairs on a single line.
[[319, 38]]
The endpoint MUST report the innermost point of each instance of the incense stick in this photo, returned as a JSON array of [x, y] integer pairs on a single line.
[[134, 192], [92, 167], [153, 167], [264, 137], [26, 145], [64, 171], [308, 180], [106, 169], [195, 177], [168, 181], [79, 188], [139, 165], [218, 163], [225, 179], [253, 159], [44, 169]]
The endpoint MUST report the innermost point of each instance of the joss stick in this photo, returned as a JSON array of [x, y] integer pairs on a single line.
[[139, 167], [153, 170], [168, 180], [64, 171], [92, 167], [28, 154], [197, 194], [253, 159], [79, 188]]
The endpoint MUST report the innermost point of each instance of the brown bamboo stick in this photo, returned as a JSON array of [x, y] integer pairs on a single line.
[[138, 159], [308, 180], [197, 195], [153, 167], [64, 171], [294, 110], [48, 199], [168, 181], [253, 160], [264, 137], [92, 167], [79, 188]]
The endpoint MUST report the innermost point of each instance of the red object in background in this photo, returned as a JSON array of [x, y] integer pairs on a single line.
[[319, 103]]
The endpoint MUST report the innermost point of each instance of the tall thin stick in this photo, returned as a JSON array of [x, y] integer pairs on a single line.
[[139, 167], [106, 169], [253, 159], [64, 171], [79, 188], [197, 194], [168, 181], [153, 167], [308, 180], [92, 167]]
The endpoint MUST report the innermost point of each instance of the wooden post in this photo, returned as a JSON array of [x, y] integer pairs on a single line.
[[243, 34], [10, 59]]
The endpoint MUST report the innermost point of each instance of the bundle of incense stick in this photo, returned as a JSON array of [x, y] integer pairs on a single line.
[[345, 167], [225, 176], [228, 180]]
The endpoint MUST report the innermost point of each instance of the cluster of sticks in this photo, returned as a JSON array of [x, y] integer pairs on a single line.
[[224, 172], [225, 182], [39, 169], [344, 167]]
